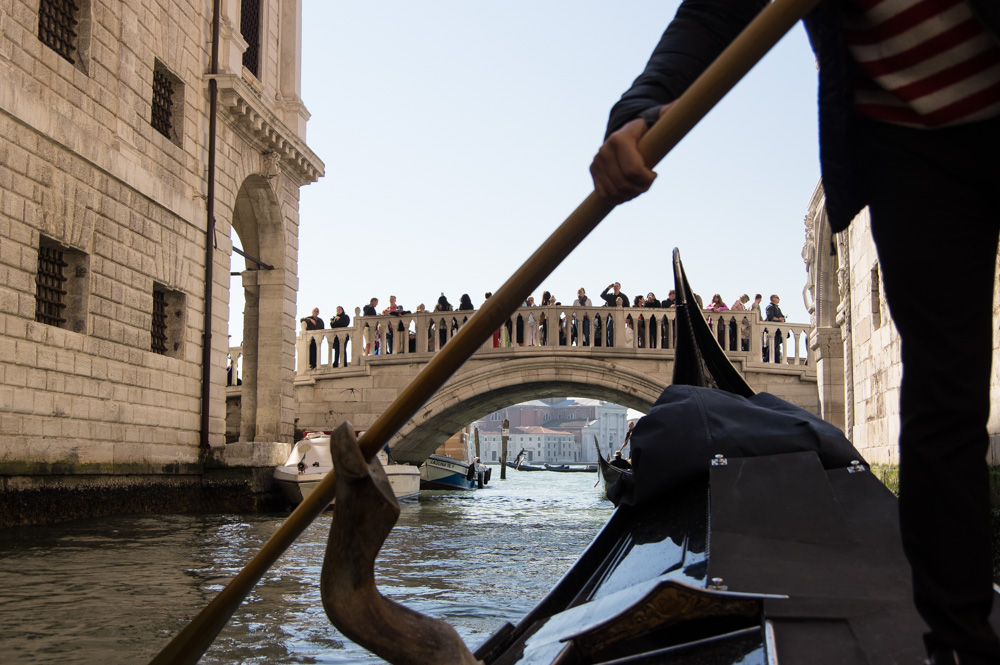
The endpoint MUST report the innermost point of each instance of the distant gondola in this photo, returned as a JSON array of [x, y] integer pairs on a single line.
[[611, 470], [571, 468], [525, 467]]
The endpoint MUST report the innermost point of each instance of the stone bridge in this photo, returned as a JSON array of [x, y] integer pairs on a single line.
[[625, 356]]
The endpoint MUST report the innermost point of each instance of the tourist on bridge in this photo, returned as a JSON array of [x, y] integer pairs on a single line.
[[392, 309], [640, 323], [582, 301], [366, 333], [443, 305], [341, 320], [613, 296], [542, 329], [717, 305], [773, 313], [651, 300], [465, 303], [671, 299], [313, 323], [909, 123], [531, 325], [739, 305]]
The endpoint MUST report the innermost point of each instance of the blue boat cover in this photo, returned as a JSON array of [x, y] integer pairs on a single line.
[[688, 426]]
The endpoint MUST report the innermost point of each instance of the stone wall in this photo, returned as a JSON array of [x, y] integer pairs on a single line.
[[85, 399], [847, 302], [877, 366]]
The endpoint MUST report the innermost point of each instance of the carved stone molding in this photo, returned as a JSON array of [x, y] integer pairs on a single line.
[[270, 164], [259, 125]]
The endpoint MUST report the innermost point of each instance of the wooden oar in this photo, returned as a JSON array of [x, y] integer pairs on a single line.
[[731, 65]]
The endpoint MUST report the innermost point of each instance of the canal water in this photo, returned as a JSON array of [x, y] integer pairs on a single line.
[[115, 590]]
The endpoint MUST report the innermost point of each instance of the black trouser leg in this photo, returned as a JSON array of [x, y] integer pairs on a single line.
[[936, 228]]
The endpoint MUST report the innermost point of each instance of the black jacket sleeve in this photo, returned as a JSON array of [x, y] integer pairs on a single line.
[[700, 31]]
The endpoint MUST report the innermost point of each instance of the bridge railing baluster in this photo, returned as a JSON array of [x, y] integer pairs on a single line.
[[580, 330]]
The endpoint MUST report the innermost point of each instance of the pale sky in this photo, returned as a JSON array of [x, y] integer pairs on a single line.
[[457, 135]]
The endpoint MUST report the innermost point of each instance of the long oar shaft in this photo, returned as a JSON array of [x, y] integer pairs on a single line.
[[727, 70]]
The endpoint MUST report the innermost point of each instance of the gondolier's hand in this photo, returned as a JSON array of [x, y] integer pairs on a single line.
[[618, 170]]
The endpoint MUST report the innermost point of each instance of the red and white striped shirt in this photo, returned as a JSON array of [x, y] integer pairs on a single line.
[[930, 63]]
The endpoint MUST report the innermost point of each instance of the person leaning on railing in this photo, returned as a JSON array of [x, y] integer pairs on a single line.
[[313, 322], [341, 320], [913, 135]]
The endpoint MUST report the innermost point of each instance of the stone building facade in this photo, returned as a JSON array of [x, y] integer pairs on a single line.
[[581, 418], [856, 345], [540, 445], [114, 277]]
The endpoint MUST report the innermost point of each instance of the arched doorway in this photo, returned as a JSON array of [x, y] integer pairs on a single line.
[[268, 339], [828, 263]]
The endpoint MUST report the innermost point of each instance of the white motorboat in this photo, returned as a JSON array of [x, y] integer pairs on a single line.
[[441, 472], [310, 461]]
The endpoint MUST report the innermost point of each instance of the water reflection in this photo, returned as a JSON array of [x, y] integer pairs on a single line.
[[115, 590]]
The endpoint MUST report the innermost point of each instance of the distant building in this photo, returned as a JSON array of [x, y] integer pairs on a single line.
[[114, 274], [540, 444], [553, 420]]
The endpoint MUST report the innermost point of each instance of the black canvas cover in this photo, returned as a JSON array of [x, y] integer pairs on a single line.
[[689, 425]]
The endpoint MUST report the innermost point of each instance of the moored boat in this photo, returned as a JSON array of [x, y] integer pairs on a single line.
[[525, 467], [571, 468], [441, 472], [310, 461]]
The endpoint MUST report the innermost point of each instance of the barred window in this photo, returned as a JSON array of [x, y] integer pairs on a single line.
[[62, 286], [50, 294], [57, 21], [158, 333], [163, 92], [166, 331], [250, 29], [167, 108]]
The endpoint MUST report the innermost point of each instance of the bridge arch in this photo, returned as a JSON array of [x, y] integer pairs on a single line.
[[489, 387]]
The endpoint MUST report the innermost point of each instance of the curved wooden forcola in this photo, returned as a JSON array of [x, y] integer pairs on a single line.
[[365, 514], [727, 70]]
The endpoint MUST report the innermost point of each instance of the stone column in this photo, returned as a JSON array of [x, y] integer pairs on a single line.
[[827, 346], [251, 318], [275, 344]]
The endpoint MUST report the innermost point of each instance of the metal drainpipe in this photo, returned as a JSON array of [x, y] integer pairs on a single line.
[[206, 349]]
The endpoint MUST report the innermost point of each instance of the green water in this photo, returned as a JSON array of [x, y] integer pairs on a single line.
[[115, 590]]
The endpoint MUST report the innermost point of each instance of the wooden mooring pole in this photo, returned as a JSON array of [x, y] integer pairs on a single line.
[[504, 433]]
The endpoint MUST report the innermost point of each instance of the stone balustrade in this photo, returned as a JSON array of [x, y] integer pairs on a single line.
[[594, 331]]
